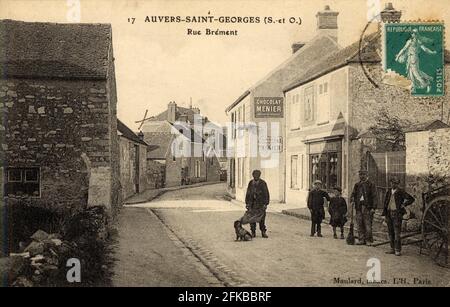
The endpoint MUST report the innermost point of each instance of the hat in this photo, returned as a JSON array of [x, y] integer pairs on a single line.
[[317, 181], [363, 171], [337, 189]]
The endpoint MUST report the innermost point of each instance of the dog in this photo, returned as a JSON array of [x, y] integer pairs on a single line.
[[241, 233]]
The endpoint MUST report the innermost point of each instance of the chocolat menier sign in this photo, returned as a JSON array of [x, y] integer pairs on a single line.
[[269, 107]]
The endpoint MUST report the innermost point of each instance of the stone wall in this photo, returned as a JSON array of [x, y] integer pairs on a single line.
[[155, 174], [366, 101], [128, 180], [127, 167], [65, 128], [144, 180], [115, 189], [173, 171], [427, 163]]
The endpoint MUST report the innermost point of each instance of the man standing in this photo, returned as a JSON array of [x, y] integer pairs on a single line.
[[364, 197], [395, 201], [315, 202], [256, 200]]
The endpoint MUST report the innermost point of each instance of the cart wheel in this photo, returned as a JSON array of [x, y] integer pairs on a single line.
[[435, 229]]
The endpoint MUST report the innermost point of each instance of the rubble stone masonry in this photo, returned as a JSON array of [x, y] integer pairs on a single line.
[[66, 129], [427, 162]]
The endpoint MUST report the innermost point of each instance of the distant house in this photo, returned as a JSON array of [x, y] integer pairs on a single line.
[[182, 152], [58, 107], [132, 161]]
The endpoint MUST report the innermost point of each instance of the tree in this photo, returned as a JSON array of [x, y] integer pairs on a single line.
[[389, 131]]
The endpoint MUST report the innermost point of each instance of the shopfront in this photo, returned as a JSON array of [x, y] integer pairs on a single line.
[[325, 162]]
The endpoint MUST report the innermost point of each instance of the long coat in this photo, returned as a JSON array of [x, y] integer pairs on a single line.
[[337, 209], [256, 200], [315, 203], [368, 191]]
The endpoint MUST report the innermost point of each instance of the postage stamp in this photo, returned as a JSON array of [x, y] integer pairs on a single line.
[[413, 57]]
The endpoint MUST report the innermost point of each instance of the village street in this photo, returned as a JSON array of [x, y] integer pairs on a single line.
[[186, 238]]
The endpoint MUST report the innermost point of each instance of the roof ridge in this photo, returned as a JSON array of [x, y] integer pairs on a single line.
[[56, 23]]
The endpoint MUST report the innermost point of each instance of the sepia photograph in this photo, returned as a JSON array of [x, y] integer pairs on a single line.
[[221, 149]]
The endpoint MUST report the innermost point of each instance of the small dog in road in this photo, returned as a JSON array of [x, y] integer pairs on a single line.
[[241, 233]]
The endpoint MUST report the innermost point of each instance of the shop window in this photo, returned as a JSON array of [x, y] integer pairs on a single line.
[[326, 168], [22, 181]]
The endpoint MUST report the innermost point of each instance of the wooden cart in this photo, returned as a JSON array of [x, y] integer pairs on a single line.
[[435, 224]]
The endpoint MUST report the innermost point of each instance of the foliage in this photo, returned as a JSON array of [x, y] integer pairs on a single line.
[[389, 130]]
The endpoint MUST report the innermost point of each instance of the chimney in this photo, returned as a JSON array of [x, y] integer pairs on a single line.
[[296, 46], [171, 112], [389, 14], [141, 135], [327, 22]]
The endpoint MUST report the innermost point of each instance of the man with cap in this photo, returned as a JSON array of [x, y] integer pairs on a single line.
[[257, 199], [395, 201], [315, 201], [364, 197]]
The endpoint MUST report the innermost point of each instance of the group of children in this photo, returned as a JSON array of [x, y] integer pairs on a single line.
[[337, 209]]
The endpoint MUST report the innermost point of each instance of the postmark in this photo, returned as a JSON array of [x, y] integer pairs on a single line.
[[413, 57]]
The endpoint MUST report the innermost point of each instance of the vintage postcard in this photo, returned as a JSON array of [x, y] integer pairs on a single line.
[[212, 144]]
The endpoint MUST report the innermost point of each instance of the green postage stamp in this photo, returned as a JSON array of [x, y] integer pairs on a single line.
[[413, 57]]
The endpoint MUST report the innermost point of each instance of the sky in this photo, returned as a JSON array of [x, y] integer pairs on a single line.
[[158, 62]]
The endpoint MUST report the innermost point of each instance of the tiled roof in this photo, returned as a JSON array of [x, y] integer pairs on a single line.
[[128, 133], [296, 64], [343, 57], [429, 125], [54, 50]]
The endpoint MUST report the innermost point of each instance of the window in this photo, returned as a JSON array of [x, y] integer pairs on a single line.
[[323, 104], [23, 181], [197, 169], [325, 167], [294, 172], [233, 127], [232, 173], [301, 172], [309, 104], [295, 112], [240, 170]]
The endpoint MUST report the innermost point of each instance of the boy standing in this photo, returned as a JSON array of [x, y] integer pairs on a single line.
[[316, 207], [338, 212]]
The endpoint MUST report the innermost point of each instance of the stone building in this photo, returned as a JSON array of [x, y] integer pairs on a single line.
[[58, 108], [133, 162], [250, 114], [182, 153], [331, 108]]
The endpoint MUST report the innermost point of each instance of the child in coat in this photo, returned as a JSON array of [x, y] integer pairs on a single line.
[[338, 212]]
